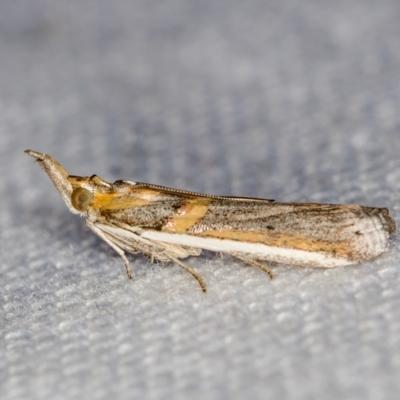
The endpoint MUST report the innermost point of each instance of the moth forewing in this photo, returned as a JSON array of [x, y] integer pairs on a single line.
[[169, 224]]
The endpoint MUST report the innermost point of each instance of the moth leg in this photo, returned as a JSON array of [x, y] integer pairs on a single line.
[[256, 263], [121, 253], [191, 271], [154, 250]]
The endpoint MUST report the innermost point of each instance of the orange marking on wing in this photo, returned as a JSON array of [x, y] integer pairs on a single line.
[[124, 198], [340, 249], [187, 215]]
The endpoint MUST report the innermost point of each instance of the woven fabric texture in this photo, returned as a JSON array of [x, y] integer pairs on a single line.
[[296, 101]]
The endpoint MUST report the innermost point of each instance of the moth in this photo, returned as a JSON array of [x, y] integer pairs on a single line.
[[169, 224]]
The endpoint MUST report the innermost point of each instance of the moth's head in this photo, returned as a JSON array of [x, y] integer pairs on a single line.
[[76, 191]]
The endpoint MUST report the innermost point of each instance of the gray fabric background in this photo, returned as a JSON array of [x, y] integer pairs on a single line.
[[297, 101]]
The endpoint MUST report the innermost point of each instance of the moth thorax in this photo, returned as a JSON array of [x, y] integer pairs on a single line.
[[81, 199]]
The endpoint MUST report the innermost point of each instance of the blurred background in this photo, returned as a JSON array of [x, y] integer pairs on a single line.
[[297, 101]]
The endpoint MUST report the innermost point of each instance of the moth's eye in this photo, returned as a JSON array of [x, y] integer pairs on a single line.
[[81, 199]]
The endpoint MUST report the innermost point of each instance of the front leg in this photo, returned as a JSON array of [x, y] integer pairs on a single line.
[[109, 241]]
